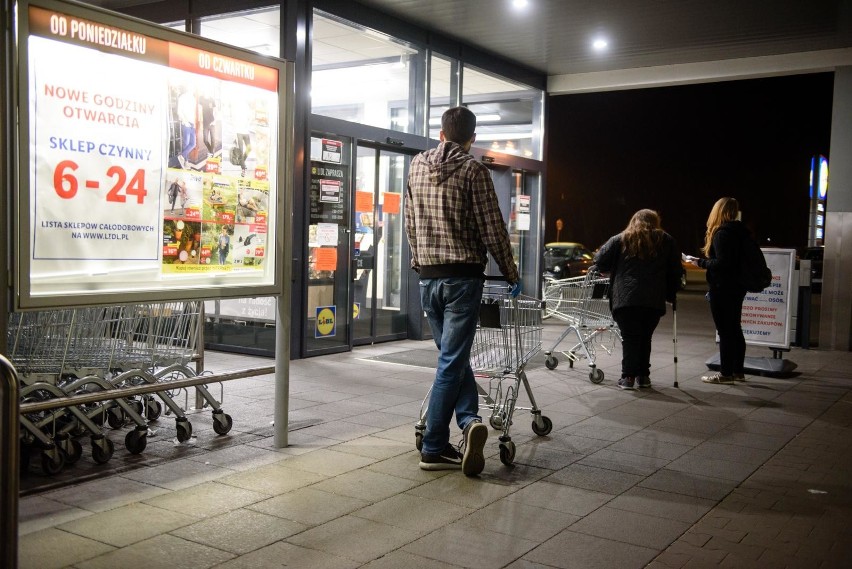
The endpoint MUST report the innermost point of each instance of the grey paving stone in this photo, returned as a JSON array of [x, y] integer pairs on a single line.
[[122, 526], [668, 505], [573, 550], [518, 519], [37, 512], [725, 469], [413, 512], [624, 462], [52, 548], [102, 495], [690, 484], [208, 499], [365, 485], [732, 453], [631, 527], [161, 552], [596, 479], [355, 538], [308, 506], [272, 479], [239, 531], [559, 497], [463, 491], [469, 546]]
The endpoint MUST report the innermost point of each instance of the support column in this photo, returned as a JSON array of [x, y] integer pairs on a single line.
[[835, 331]]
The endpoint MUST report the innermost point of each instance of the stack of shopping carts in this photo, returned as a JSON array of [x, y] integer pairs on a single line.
[[84, 350], [583, 303], [507, 336]]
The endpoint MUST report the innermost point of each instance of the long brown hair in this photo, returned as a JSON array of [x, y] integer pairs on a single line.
[[642, 235], [724, 210]]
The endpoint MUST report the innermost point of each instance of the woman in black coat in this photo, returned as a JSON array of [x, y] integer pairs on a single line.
[[643, 263], [723, 248]]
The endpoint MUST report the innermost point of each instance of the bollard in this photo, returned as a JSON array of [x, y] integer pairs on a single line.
[[10, 471]]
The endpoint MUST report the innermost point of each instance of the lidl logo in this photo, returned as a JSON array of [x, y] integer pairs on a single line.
[[356, 310], [325, 321]]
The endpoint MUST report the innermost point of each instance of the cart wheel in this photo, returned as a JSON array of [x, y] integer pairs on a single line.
[[507, 453], [153, 409], [222, 423], [51, 465], [116, 417], [551, 362], [73, 452], [138, 406], [136, 441], [418, 440], [102, 455], [571, 359], [545, 429], [596, 375], [184, 429], [496, 422]]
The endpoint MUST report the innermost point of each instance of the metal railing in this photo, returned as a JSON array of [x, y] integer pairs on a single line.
[[9, 471]]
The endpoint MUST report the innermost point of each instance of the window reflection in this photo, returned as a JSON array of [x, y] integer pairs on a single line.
[[508, 114], [360, 75]]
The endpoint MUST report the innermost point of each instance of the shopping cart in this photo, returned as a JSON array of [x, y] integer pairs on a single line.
[[507, 336], [557, 297], [583, 303], [84, 350]]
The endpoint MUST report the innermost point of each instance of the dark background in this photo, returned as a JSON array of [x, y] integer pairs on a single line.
[[678, 149]]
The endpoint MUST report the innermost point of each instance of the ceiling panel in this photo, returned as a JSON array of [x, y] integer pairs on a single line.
[[555, 36]]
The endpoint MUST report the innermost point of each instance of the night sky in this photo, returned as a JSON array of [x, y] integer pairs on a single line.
[[678, 149]]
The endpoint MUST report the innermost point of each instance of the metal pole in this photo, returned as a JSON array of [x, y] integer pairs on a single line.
[[9, 460], [144, 389], [674, 338]]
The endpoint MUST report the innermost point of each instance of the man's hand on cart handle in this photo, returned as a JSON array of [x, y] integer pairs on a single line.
[[516, 289]]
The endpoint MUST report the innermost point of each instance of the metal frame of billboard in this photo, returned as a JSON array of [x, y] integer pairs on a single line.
[[87, 288]]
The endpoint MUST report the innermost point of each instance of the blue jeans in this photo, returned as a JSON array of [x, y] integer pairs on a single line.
[[187, 138], [452, 307]]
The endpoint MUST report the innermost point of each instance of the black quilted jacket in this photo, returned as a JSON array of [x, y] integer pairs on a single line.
[[641, 282], [723, 263]]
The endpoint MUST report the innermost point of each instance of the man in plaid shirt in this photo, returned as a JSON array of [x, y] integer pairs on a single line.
[[453, 219]]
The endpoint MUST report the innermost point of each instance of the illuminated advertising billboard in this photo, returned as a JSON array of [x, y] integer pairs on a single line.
[[151, 163]]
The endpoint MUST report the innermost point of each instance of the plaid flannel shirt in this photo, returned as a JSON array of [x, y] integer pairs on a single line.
[[452, 214]]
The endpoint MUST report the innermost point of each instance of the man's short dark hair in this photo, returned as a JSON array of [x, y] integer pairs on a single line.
[[458, 124]]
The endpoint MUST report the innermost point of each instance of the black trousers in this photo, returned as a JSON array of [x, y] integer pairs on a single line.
[[637, 325], [726, 306]]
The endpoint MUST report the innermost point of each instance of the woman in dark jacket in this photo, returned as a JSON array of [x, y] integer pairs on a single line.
[[644, 267], [722, 248]]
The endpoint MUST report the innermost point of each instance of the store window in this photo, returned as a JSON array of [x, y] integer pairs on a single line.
[[443, 91], [255, 30], [508, 114], [361, 76]]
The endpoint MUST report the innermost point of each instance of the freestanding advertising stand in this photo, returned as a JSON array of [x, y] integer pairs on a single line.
[[767, 316]]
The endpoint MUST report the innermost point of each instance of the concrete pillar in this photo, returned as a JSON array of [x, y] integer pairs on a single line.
[[835, 331]]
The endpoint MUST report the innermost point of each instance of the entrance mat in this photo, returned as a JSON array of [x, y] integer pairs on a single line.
[[429, 359]]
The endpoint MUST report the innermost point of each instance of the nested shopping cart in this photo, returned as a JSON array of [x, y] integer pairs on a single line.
[[583, 303], [83, 350], [507, 336]]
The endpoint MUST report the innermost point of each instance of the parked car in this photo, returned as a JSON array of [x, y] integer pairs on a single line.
[[815, 256], [567, 259]]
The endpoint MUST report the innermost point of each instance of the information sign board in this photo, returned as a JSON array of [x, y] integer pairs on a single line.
[[149, 161]]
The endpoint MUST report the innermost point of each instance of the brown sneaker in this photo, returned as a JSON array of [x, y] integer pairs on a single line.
[[718, 378]]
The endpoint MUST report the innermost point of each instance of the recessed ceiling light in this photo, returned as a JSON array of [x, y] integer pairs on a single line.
[[600, 44], [520, 3]]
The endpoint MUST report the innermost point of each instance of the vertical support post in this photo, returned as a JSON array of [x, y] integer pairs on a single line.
[[9, 458]]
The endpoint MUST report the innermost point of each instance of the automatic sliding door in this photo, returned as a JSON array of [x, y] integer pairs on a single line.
[[379, 308]]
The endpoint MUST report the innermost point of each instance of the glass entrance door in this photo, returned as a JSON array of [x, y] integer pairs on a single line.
[[379, 271], [327, 326]]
